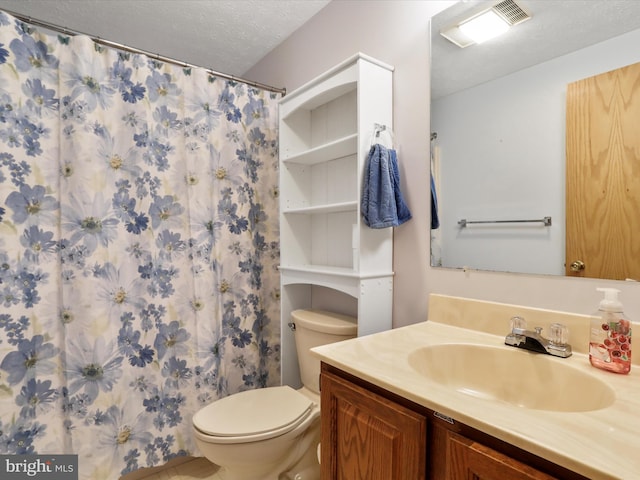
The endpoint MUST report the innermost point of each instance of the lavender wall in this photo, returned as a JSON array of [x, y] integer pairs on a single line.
[[397, 32]]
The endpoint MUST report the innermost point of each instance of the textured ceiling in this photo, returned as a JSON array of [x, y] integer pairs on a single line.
[[556, 28], [228, 36], [231, 36]]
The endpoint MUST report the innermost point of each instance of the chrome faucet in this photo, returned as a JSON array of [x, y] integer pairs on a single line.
[[533, 341]]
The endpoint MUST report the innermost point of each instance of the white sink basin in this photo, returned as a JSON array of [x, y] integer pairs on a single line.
[[512, 375]]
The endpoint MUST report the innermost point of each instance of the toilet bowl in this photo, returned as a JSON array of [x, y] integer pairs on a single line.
[[273, 433], [257, 434]]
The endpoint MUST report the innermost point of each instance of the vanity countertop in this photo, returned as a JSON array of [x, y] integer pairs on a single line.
[[599, 444]]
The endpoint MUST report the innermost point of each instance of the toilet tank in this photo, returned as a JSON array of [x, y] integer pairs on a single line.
[[312, 329]]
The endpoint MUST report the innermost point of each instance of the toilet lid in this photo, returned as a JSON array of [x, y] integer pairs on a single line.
[[254, 412]]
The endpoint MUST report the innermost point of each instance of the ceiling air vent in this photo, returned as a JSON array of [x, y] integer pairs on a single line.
[[511, 12], [507, 10]]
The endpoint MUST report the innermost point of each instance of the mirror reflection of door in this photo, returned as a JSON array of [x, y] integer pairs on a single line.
[[603, 175]]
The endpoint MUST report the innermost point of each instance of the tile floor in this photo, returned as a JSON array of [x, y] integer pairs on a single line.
[[183, 469]]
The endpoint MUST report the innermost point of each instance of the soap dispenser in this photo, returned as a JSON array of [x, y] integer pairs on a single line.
[[610, 343]]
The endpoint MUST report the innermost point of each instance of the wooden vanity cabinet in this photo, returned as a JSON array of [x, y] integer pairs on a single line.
[[369, 433], [468, 459], [366, 436]]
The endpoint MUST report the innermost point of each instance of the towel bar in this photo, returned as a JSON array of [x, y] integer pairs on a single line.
[[546, 220]]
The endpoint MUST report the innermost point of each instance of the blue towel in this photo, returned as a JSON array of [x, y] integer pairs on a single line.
[[382, 203], [435, 221]]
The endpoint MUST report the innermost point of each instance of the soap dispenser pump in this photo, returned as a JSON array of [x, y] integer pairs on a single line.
[[610, 343]]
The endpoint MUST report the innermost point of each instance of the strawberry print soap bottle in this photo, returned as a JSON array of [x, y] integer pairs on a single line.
[[610, 344]]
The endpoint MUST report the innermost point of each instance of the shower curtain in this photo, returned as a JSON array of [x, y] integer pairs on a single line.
[[138, 249]]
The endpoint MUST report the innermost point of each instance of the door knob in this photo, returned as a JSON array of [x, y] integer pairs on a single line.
[[577, 266]]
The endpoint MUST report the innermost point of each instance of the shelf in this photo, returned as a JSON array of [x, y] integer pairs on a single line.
[[328, 85], [343, 84], [344, 280], [314, 270], [337, 149], [321, 270], [318, 209]]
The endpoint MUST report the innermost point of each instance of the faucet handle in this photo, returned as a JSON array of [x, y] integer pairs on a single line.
[[559, 334], [518, 323]]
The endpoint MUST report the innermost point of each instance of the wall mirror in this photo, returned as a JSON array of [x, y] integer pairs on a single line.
[[499, 135]]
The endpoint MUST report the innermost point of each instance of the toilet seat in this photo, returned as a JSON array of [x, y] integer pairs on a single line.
[[253, 415]]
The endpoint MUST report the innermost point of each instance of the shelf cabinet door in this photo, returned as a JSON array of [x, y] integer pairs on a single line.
[[368, 437], [469, 460]]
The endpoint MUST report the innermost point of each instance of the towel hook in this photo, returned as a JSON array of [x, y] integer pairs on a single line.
[[379, 128]]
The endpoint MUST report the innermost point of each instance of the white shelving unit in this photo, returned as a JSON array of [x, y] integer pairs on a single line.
[[329, 258]]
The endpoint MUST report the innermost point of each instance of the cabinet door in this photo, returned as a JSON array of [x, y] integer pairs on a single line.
[[368, 437], [469, 460]]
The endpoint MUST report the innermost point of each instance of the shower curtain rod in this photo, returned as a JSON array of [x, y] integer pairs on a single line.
[[125, 48]]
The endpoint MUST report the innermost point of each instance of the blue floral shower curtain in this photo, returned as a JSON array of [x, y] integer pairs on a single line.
[[138, 249]]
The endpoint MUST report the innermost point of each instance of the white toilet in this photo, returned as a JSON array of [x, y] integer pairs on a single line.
[[273, 433]]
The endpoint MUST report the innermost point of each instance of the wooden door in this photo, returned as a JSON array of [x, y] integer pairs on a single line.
[[368, 437], [469, 460], [603, 175]]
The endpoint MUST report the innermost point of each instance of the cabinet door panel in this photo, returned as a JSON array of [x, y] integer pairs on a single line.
[[368, 437], [469, 460]]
